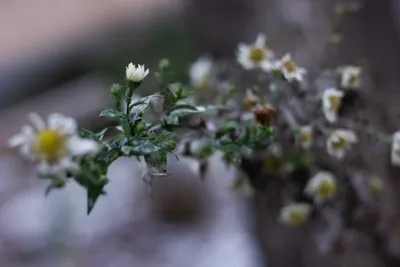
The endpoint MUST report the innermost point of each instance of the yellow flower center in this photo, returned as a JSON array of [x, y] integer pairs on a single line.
[[339, 143], [50, 145], [326, 189], [271, 163], [305, 137], [289, 65], [205, 83], [297, 217], [335, 101], [257, 54], [353, 79]]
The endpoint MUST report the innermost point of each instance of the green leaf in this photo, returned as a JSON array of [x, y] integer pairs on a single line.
[[126, 128], [139, 107], [227, 127], [173, 117], [93, 193], [112, 113], [139, 147]]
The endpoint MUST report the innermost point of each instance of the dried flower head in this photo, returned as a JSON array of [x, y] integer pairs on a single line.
[[255, 55], [264, 114], [295, 214], [322, 186], [331, 102], [339, 142]]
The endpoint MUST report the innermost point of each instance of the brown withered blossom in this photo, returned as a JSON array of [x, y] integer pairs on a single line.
[[264, 114]]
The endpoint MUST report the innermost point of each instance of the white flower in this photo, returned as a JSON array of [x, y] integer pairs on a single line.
[[339, 142], [322, 186], [295, 214], [289, 69], [200, 73], [395, 151], [331, 102], [53, 144], [305, 137], [136, 74], [350, 77], [250, 99], [255, 55]]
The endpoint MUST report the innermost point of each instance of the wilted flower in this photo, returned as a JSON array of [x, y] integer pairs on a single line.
[[295, 214], [304, 137], [200, 73], [250, 99], [322, 186], [350, 77], [395, 153], [136, 74], [264, 114], [255, 55], [339, 142], [331, 102], [289, 69], [53, 144]]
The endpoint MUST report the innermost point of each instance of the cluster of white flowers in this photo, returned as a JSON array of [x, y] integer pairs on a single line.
[[295, 214], [350, 77], [339, 142], [331, 103], [53, 144], [136, 74], [258, 55], [321, 187]]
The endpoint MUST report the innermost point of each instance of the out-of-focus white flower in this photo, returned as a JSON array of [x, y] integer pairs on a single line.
[[305, 137], [250, 99], [339, 142], [53, 144], [322, 186], [255, 55], [289, 69], [295, 214], [200, 73], [135, 73], [395, 151], [376, 186], [350, 77], [331, 102]]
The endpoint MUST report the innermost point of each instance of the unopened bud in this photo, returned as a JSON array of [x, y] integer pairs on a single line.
[[116, 89]]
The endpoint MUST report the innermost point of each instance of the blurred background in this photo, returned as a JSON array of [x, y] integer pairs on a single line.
[[63, 55]]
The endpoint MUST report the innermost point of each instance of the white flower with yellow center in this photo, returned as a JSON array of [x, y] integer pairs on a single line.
[[350, 77], [295, 214], [305, 137], [250, 99], [395, 151], [331, 102], [200, 73], [289, 69], [136, 74], [339, 142], [53, 144], [321, 187], [255, 55]]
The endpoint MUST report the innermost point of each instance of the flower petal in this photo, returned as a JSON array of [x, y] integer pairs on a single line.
[[79, 146], [37, 121]]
